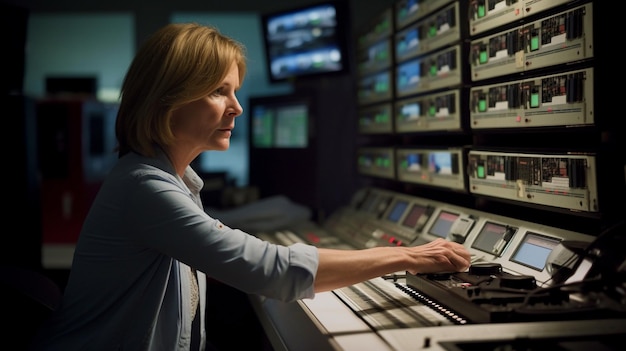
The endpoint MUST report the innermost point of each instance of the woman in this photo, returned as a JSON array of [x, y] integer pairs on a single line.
[[138, 278]]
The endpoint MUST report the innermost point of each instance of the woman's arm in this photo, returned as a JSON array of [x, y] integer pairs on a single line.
[[340, 268]]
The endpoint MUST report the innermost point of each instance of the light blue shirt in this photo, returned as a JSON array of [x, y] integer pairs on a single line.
[[129, 287]]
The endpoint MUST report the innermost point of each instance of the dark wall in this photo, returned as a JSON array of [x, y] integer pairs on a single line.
[[151, 15]]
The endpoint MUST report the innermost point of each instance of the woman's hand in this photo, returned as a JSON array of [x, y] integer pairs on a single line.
[[439, 256]]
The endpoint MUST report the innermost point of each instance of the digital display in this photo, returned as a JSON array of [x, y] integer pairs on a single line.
[[416, 218], [440, 162], [410, 111], [292, 126], [306, 41], [408, 76], [407, 41], [375, 56], [489, 237], [443, 224], [279, 122], [534, 250], [262, 127], [397, 210], [413, 162]]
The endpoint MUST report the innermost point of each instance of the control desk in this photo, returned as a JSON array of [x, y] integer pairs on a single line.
[[529, 287]]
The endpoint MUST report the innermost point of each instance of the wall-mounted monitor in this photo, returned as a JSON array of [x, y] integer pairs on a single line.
[[280, 121], [307, 41]]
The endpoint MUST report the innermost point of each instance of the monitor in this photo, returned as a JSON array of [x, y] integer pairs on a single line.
[[443, 223], [397, 210], [417, 216], [534, 249], [306, 41], [440, 162], [280, 121], [493, 238]]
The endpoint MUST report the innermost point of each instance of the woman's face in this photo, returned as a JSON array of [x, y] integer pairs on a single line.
[[207, 123]]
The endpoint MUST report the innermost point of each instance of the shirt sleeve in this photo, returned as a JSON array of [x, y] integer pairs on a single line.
[[163, 216]]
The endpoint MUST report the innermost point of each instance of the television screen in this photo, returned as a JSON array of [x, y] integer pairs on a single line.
[[306, 41], [534, 250], [443, 224], [397, 210], [279, 121], [491, 238], [417, 217], [441, 162]]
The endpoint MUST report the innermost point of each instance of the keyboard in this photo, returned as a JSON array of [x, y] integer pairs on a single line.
[[385, 304]]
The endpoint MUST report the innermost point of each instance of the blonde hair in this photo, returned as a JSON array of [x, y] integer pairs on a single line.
[[178, 64]]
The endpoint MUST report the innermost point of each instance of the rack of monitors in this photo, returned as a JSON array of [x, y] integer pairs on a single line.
[[519, 246], [442, 168], [562, 99], [561, 38], [439, 111], [375, 57], [489, 14], [567, 181]]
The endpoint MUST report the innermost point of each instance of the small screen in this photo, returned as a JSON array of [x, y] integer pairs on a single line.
[[443, 224], [417, 215], [414, 162], [440, 162], [291, 126], [489, 236], [280, 122], [407, 76], [410, 111], [397, 210], [262, 127], [407, 41], [534, 250]]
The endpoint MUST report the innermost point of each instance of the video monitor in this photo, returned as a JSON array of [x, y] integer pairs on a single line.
[[407, 43], [413, 162], [440, 162], [534, 249], [408, 77], [306, 41], [443, 223], [491, 238], [410, 111], [417, 217], [280, 121], [397, 210]]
